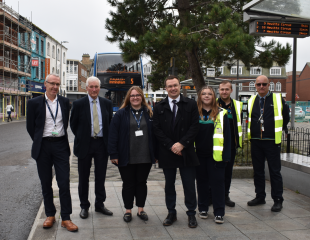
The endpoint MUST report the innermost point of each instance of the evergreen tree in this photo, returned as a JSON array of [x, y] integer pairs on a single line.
[[195, 32]]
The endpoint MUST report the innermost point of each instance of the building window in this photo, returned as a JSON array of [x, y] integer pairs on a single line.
[[256, 71], [37, 72], [75, 69], [42, 72], [275, 71], [233, 70], [37, 45], [252, 86], [42, 47], [48, 49], [240, 86], [63, 78], [271, 88], [58, 55], [53, 51], [67, 69], [71, 69], [278, 87], [220, 70], [57, 71], [53, 70], [64, 58]]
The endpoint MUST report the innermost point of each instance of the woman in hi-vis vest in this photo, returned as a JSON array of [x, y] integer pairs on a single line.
[[213, 150]]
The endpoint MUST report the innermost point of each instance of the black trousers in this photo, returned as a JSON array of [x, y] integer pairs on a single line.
[[188, 175], [134, 178], [211, 174], [98, 151], [9, 116], [229, 170], [55, 153], [261, 150]]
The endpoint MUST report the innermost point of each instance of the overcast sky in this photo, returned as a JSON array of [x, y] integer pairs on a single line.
[[82, 24]]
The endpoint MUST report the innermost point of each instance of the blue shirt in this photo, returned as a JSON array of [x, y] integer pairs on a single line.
[[92, 116]]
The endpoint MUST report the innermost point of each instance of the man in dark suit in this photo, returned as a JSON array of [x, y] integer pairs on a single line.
[[90, 120], [47, 123], [176, 123]]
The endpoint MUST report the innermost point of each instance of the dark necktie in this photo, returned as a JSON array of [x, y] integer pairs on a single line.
[[262, 100], [174, 110]]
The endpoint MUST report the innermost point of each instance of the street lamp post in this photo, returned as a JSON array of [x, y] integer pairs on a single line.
[[61, 60]]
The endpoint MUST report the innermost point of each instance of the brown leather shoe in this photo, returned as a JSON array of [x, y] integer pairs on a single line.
[[69, 225], [49, 222]]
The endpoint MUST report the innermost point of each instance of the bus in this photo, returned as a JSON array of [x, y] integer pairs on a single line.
[[116, 76]]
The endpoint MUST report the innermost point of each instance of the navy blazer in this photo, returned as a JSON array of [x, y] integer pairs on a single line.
[[35, 121], [118, 147], [80, 123]]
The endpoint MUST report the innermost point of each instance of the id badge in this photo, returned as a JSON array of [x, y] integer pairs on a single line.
[[139, 133], [263, 129], [55, 133], [219, 130]]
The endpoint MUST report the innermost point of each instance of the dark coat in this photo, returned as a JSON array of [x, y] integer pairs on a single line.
[[118, 146], [80, 123], [35, 121], [185, 131]]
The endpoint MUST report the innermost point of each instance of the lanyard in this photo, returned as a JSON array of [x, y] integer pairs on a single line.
[[48, 106], [138, 122]]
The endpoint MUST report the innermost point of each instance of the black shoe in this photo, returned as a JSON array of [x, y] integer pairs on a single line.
[[219, 219], [143, 216], [229, 203], [256, 201], [103, 210], [127, 217], [277, 206], [192, 222], [84, 213], [170, 219]]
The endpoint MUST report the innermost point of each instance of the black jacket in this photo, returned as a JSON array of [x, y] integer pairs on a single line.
[[35, 121], [268, 117], [234, 131], [204, 139], [118, 146], [185, 131], [80, 123]]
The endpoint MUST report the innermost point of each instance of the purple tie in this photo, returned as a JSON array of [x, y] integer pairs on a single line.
[[174, 113]]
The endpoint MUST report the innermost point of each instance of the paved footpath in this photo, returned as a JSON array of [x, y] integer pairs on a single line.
[[241, 222]]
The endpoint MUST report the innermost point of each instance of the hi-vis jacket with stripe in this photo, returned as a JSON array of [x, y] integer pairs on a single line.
[[274, 117]]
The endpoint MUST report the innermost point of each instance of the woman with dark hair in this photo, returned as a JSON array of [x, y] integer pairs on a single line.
[[213, 151], [131, 147]]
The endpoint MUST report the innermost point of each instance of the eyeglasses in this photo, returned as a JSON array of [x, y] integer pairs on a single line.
[[54, 84], [135, 96], [259, 84], [172, 86]]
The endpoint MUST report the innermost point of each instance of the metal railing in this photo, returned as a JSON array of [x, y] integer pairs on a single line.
[[297, 140], [13, 64]]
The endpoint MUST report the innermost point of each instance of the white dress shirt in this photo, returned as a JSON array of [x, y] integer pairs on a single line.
[[171, 104], [49, 126]]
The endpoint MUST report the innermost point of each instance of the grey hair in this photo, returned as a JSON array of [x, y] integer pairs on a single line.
[[52, 74], [92, 78]]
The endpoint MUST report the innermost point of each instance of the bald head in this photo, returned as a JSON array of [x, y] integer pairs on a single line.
[[262, 85]]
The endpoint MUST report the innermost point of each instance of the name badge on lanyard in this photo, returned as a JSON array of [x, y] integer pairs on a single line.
[[138, 132], [54, 132]]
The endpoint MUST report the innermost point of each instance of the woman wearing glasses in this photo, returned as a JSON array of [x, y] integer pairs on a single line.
[[131, 147], [213, 150]]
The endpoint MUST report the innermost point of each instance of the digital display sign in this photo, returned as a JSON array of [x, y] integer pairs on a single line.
[[189, 87], [279, 29], [119, 80]]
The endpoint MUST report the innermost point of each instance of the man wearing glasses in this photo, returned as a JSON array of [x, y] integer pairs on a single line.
[[47, 123], [267, 117], [89, 122]]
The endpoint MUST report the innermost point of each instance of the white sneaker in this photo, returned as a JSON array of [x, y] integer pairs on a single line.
[[203, 214], [219, 219]]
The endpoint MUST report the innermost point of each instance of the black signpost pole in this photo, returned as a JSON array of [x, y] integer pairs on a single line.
[[293, 84]]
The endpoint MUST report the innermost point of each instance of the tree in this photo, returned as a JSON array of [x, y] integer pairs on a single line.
[[193, 31]]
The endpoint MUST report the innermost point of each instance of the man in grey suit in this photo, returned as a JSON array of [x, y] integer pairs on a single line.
[[90, 120]]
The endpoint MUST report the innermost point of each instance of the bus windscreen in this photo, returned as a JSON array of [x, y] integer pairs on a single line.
[[112, 63]]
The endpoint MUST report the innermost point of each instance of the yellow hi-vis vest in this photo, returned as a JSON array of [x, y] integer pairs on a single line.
[[278, 118], [238, 109], [218, 136]]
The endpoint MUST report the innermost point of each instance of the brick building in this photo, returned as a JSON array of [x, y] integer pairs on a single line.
[[87, 62], [302, 84]]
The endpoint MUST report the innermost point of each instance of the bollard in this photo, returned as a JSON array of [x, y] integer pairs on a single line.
[[288, 145]]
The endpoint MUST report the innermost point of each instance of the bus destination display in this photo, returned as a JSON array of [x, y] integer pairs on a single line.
[[279, 29]]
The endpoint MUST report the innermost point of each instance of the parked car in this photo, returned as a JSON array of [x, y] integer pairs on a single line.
[[299, 113]]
